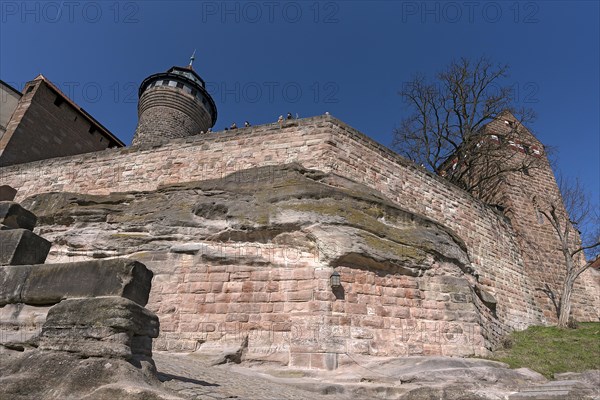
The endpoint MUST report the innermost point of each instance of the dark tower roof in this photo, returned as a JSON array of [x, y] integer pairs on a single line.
[[189, 73]]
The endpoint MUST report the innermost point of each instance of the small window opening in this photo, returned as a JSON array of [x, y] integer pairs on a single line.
[[58, 101], [165, 82], [30, 89], [92, 129], [180, 85]]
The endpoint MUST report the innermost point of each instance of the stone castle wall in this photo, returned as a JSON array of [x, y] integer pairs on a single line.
[[535, 236], [326, 144], [290, 315], [167, 113]]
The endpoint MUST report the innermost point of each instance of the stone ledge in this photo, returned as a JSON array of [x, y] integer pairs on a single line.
[[7, 193], [51, 283], [22, 247], [13, 216]]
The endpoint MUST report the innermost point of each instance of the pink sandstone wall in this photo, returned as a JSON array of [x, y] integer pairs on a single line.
[[205, 292], [290, 315]]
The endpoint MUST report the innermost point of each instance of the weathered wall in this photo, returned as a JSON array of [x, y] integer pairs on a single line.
[[290, 315], [247, 259], [323, 143], [520, 193], [181, 160]]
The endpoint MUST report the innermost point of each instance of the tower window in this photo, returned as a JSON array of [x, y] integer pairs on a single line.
[[58, 101], [165, 82], [534, 151], [180, 85]]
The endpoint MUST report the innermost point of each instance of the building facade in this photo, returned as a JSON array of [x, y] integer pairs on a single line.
[[42, 123]]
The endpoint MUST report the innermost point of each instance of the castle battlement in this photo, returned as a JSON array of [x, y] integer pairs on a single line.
[[497, 262]]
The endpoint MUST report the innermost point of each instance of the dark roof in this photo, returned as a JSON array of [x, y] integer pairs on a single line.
[[187, 71]]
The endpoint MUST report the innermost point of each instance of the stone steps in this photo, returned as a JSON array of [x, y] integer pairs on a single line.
[[551, 390]]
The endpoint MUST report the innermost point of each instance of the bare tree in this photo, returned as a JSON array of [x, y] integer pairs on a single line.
[[580, 214], [447, 118]]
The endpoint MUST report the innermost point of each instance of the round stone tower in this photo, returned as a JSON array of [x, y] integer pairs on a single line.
[[173, 104]]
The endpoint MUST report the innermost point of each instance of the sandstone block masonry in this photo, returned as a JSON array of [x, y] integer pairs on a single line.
[[167, 113], [326, 144]]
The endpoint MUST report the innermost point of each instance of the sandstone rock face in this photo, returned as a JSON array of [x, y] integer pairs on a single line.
[[96, 327], [49, 375], [18, 244], [21, 325], [248, 258], [92, 348], [77, 330], [52, 321]]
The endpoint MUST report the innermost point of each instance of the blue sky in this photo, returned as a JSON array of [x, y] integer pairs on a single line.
[[265, 58]]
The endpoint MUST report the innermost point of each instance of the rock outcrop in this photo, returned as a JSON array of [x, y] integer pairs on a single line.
[[77, 330], [243, 262], [241, 271]]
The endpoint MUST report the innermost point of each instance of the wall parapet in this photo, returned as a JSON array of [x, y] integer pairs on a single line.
[[8, 173]]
